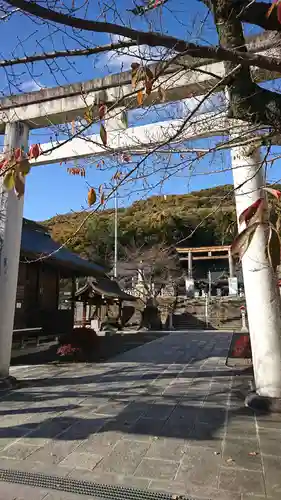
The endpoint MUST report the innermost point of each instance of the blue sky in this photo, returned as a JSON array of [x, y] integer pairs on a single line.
[[50, 190]]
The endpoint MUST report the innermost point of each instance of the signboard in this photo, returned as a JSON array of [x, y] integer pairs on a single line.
[[233, 286], [189, 287], [239, 352]]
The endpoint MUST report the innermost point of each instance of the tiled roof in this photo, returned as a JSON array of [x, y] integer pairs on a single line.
[[106, 287], [36, 242]]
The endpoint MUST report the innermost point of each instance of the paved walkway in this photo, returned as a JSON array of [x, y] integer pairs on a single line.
[[166, 416]]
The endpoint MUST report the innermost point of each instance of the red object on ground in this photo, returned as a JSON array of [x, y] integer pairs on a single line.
[[242, 347]]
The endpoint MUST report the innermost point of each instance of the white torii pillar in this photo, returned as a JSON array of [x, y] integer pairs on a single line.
[[11, 213], [260, 281]]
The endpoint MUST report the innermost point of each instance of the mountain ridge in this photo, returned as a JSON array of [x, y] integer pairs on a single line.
[[204, 217]]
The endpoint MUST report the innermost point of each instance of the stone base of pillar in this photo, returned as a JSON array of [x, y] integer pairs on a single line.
[[8, 383], [263, 404]]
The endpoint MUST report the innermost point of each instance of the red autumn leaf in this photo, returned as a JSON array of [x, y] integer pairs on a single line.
[[249, 213], [274, 192], [34, 151], [279, 12], [18, 154], [4, 164], [102, 110]]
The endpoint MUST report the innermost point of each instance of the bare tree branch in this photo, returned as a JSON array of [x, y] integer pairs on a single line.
[[256, 13], [66, 53], [8, 14], [151, 38], [253, 12]]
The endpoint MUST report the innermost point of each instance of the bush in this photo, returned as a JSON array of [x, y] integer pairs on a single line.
[[81, 345], [68, 351]]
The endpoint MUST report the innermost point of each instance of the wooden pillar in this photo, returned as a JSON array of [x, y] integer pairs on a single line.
[[84, 316], [58, 289], [73, 290]]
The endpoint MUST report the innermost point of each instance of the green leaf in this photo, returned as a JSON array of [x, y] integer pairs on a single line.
[[9, 180], [19, 184], [161, 94], [149, 74], [24, 167], [103, 135], [124, 119], [135, 74], [242, 242], [88, 115]]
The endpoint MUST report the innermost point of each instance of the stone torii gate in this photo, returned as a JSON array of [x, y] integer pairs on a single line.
[[21, 113]]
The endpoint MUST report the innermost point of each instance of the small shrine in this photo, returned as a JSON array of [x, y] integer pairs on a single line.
[[102, 300]]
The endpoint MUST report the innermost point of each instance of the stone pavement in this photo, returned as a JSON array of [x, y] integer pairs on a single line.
[[166, 416]]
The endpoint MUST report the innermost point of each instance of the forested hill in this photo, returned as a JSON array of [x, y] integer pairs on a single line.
[[208, 215]]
